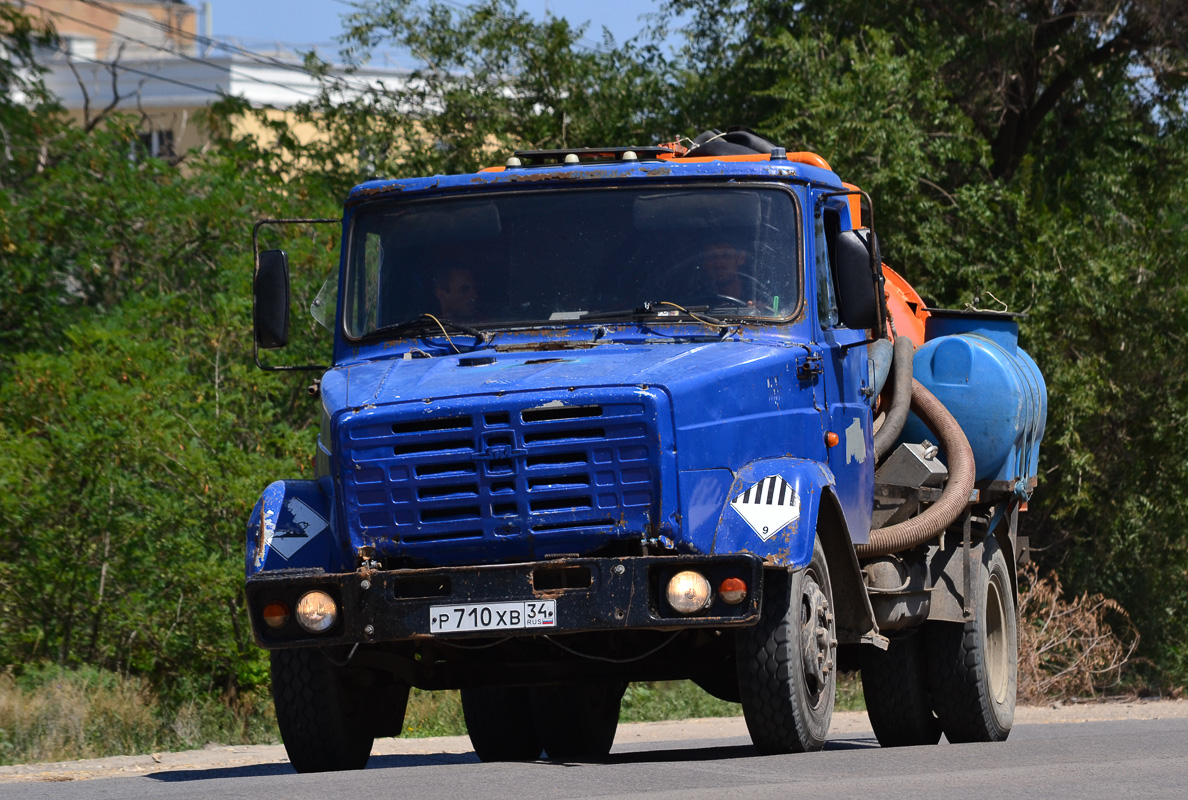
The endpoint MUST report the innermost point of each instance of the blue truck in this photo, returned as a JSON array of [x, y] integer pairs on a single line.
[[636, 414]]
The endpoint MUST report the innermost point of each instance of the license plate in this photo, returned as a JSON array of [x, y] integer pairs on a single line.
[[493, 616]]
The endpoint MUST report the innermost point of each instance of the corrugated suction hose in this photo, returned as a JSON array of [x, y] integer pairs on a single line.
[[952, 502], [901, 398]]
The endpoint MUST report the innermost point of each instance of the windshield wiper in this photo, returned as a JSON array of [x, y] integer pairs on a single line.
[[423, 321], [661, 308]]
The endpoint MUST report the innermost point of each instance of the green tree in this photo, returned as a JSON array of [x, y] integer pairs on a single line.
[[138, 430], [491, 81], [1008, 66], [1078, 223]]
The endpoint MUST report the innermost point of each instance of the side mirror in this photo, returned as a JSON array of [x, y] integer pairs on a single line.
[[271, 292], [858, 280]]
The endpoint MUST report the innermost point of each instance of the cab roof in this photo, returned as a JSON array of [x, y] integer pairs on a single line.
[[557, 167]]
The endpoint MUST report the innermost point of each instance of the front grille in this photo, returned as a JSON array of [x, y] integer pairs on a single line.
[[441, 482]]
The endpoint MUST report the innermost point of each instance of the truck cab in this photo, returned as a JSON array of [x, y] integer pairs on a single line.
[[593, 417]]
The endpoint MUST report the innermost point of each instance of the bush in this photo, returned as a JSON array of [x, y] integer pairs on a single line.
[[1069, 648]]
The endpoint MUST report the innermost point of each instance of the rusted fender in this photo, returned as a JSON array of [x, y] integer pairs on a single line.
[[291, 528], [772, 509]]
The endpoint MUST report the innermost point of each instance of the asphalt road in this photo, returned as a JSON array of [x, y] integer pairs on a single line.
[[1113, 759]]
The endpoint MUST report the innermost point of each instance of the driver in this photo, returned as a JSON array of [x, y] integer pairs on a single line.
[[723, 263]]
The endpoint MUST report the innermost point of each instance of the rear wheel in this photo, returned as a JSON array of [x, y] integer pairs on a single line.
[[499, 722], [973, 667], [895, 685], [787, 663], [324, 719], [577, 722]]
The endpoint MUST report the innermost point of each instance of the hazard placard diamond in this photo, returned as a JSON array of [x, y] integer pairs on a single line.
[[307, 524], [768, 506]]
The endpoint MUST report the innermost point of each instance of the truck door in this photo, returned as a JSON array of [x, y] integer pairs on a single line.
[[845, 378]]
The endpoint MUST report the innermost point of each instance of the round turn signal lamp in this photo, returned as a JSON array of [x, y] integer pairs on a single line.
[[276, 615], [688, 592], [831, 439], [733, 591], [316, 611]]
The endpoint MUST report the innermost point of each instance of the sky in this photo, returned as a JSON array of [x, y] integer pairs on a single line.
[[301, 24]]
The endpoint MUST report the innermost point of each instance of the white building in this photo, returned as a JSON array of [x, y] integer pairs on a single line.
[[149, 58]]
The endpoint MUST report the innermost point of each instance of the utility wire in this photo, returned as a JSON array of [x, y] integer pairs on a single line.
[[203, 40], [115, 34], [154, 76]]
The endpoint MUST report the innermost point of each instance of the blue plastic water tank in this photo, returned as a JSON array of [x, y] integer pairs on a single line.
[[972, 362]]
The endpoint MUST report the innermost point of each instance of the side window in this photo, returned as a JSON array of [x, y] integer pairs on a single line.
[[363, 309], [826, 294]]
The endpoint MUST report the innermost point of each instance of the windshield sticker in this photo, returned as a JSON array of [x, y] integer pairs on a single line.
[[768, 506], [306, 524], [855, 443]]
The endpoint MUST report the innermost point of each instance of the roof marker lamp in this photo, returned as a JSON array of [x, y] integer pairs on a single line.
[[688, 592], [316, 611]]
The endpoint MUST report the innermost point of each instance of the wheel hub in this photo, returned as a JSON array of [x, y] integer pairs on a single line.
[[997, 656], [817, 642]]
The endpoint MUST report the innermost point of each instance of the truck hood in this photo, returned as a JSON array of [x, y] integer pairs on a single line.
[[675, 368], [750, 388]]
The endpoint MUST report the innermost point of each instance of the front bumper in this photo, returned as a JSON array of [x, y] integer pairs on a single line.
[[589, 594]]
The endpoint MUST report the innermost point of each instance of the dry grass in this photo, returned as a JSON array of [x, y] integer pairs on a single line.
[[74, 717], [1069, 647], [59, 715]]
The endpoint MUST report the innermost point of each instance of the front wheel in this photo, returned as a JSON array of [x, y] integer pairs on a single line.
[[973, 667], [324, 719], [787, 672]]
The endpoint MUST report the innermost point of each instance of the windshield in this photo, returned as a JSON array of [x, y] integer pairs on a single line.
[[536, 257]]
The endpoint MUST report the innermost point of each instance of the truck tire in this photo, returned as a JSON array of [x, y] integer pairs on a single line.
[[576, 723], [787, 674], [499, 723], [895, 685], [973, 667], [322, 719]]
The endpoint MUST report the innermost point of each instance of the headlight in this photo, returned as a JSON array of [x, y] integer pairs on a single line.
[[688, 592], [316, 611]]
